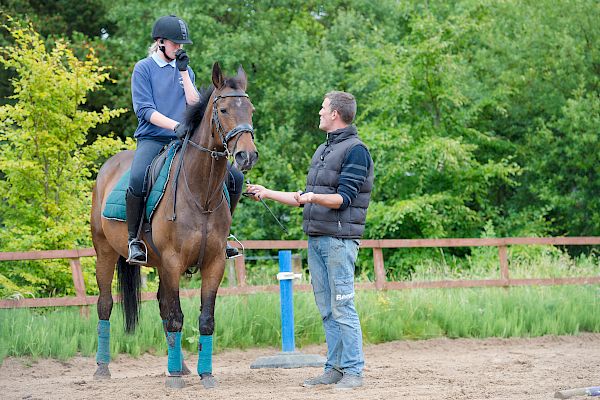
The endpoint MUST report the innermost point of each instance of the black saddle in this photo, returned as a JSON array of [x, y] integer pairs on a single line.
[[156, 166]]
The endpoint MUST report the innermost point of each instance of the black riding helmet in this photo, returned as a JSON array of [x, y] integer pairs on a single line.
[[172, 28]]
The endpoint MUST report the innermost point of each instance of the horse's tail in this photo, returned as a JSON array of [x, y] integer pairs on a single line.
[[129, 287]]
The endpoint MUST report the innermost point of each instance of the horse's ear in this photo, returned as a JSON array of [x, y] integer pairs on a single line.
[[217, 76], [242, 78]]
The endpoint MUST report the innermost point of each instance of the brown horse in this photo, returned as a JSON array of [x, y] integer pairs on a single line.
[[190, 228]]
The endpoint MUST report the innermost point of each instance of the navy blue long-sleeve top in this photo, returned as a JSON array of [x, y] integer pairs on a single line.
[[355, 168], [157, 86]]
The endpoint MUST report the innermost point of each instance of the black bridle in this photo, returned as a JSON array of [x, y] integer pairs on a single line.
[[216, 155], [225, 136]]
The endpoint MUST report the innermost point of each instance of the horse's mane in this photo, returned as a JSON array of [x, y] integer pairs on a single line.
[[195, 112]]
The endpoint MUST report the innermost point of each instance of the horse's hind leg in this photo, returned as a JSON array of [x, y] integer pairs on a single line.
[[211, 279], [164, 315], [106, 259]]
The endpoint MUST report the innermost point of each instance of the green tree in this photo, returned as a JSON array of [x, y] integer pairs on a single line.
[[571, 167], [539, 65], [43, 158], [480, 115], [420, 105]]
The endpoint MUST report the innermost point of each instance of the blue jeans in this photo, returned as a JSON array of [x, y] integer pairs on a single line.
[[331, 263]]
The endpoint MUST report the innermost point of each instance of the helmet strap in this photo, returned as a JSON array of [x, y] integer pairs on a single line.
[[162, 48]]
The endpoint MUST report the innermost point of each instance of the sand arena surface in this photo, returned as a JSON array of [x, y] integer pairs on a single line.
[[438, 368]]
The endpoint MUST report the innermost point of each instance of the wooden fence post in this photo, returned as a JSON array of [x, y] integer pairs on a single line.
[[502, 254], [231, 272], [297, 263], [240, 269], [79, 284], [379, 268]]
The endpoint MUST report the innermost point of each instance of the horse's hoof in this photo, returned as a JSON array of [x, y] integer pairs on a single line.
[[184, 369], [102, 372], [208, 381], [175, 382]]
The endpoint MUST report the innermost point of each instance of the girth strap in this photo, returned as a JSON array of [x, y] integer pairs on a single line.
[[147, 231], [176, 176]]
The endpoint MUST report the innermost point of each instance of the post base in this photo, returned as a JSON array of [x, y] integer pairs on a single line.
[[291, 359]]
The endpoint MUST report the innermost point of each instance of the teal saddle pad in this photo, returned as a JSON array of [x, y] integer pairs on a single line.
[[115, 203]]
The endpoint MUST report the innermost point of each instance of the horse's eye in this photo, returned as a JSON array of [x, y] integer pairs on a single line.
[[223, 110]]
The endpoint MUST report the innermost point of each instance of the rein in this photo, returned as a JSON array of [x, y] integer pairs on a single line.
[[246, 194]]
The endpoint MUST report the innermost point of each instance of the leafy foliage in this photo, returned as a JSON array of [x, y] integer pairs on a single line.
[[481, 116], [45, 164]]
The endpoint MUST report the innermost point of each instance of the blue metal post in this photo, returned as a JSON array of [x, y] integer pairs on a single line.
[[289, 357], [287, 303]]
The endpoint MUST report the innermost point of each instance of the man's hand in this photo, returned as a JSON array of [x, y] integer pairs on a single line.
[[257, 192], [180, 131], [181, 60], [305, 198]]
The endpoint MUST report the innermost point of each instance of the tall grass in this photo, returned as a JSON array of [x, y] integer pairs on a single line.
[[254, 320]]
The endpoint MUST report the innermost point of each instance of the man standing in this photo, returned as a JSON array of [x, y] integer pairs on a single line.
[[337, 194]]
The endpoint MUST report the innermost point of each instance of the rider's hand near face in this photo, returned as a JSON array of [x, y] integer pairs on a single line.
[[181, 60]]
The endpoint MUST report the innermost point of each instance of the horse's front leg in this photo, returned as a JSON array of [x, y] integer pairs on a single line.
[[164, 315], [169, 302], [211, 279], [105, 268]]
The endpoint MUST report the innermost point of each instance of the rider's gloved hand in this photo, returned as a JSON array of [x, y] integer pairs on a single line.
[[180, 131], [181, 60]]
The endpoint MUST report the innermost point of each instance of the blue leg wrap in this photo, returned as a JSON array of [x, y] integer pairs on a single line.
[[103, 353], [205, 348], [174, 360], [164, 322]]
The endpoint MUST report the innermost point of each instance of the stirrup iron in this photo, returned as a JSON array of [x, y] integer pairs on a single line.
[[240, 253], [129, 260]]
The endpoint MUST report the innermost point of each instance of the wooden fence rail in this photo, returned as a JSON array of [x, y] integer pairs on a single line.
[[381, 283]]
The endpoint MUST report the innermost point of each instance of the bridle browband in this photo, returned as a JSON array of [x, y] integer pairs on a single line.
[[225, 137]]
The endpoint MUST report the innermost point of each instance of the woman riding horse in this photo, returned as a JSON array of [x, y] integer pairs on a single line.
[[220, 125], [162, 86]]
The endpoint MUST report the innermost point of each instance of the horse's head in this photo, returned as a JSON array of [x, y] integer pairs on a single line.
[[232, 116]]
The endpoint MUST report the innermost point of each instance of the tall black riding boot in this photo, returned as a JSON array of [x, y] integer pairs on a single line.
[[137, 248]]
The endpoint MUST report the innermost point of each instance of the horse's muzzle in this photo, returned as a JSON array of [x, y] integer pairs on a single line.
[[245, 160]]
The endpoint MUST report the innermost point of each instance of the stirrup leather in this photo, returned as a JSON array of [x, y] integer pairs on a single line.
[[129, 260]]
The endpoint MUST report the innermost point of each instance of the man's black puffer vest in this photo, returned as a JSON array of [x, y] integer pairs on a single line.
[[323, 178]]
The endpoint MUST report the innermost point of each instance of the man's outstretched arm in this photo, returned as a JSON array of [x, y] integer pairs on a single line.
[[261, 192]]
